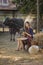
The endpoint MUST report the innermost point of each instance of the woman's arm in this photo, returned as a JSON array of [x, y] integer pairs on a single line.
[[27, 34]]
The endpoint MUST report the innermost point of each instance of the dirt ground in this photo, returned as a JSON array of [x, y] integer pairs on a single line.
[[8, 55]]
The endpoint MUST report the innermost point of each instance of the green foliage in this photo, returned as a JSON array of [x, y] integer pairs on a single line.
[[16, 1], [29, 6]]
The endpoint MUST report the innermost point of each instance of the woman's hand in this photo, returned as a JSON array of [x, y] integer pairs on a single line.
[[27, 34]]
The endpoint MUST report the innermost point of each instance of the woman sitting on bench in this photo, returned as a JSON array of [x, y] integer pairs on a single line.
[[28, 34]]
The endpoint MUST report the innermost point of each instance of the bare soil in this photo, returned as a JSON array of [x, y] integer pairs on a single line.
[[8, 55]]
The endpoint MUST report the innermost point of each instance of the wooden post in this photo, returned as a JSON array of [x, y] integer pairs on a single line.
[[13, 14], [3, 29], [37, 16]]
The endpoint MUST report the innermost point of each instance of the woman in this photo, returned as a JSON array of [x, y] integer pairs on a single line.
[[28, 34]]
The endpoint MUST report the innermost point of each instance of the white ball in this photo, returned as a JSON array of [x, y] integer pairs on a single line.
[[34, 49]]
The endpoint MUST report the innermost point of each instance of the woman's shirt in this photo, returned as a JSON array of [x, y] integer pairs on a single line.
[[30, 31]]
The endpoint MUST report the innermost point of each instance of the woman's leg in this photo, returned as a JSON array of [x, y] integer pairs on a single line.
[[20, 45], [28, 44], [23, 42]]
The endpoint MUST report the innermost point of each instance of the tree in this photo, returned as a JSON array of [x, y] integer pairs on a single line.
[[28, 6]]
